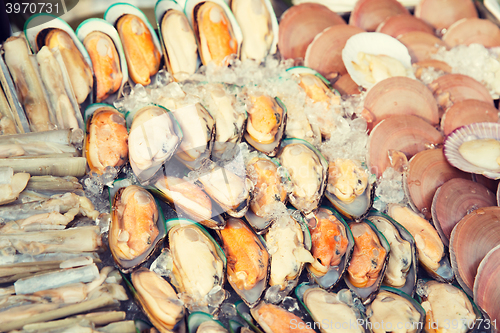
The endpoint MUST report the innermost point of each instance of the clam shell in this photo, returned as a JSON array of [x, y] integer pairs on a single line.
[[369, 14], [471, 239], [374, 43], [452, 88], [411, 279], [486, 292], [442, 13], [398, 25], [367, 294], [473, 30], [468, 112], [346, 86], [468, 133], [399, 96], [455, 199], [408, 134], [96, 24], [324, 53], [299, 24], [428, 170], [421, 45]]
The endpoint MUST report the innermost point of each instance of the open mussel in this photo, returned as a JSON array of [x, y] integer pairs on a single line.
[[189, 198], [107, 138], [137, 227], [140, 43], [348, 188], [248, 261], [369, 259], [259, 28], [266, 123], [178, 40], [393, 309], [307, 169], [401, 272], [269, 191], [216, 30], [199, 264], [201, 322], [105, 49], [158, 300], [153, 139], [274, 319], [331, 246], [430, 248]]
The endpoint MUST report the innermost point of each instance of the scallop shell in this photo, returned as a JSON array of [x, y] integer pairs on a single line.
[[346, 86], [471, 239], [473, 30], [374, 43], [400, 24], [299, 24], [369, 14], [467, 112], [486, 292], [467, 133], [421, 45], [442, 13]]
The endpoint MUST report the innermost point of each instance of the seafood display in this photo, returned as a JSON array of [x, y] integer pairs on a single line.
[[333, 168]]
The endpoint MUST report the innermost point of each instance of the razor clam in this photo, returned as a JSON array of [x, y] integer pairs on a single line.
[[154, 138], [29, 88], [230, 121], [396, 310], [289, 247], [137, 227], [7, 123], [332, 245], [438, 299], [229, 190], [259, 28], [307, 169], [430, 248], [11, 185], [190, 199], [348, 188], [198, 263], [201, 322], [331, 311], [178, 40], [401, 272], [216, 30], [107, 140], [61, 100], [266, 123], [368, 262], [106, 64], [269, 191], [198, 128], [135, 35], [248, 261], [275, 319], [79, 70], [158, 300]]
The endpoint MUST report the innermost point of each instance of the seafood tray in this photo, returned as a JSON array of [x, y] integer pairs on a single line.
[[224, 170]]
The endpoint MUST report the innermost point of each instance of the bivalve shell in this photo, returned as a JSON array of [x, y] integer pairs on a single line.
[[442, 13], [473, 30], [468, 112], [398, 25], [486, 293], [421, 45], [369, 14]]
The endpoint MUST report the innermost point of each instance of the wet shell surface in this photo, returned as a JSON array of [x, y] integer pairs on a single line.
[[372, 57], [485, 285], [455, 199], [473, 148], [427, 171], [471, 239], [369, 14], [293, 38], [473, 30], [468, 112]]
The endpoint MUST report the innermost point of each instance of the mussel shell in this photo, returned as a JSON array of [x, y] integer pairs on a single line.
[[455, 199], [411, 279], [273, 318], [197, 318], [367, 294], [127, 265], [272, 148], [252, 296], [306, 205], [335, 273], [471, 239], [416, 326], [427, 171], [466, 133]]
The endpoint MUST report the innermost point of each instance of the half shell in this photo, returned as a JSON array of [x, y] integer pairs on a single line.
[[421, 45], [275, 319]]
